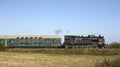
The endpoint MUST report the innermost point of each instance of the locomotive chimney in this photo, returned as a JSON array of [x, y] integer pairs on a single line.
[[99, 35]]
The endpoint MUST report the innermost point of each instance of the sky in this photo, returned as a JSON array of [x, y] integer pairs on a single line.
[[72, 17]]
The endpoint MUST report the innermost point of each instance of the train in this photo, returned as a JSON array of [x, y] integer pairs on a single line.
[[53, 41]]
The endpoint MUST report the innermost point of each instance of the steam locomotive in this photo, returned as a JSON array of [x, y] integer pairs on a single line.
[[90, 41]]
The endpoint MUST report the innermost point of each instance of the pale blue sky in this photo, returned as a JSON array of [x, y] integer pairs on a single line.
[[43, 17]]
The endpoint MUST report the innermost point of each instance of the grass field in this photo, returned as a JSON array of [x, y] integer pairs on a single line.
[[28, 59]]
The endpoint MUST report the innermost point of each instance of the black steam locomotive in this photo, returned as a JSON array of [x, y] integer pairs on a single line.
[[90, 41]]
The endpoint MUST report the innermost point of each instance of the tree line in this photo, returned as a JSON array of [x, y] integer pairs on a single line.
[[113, 45]]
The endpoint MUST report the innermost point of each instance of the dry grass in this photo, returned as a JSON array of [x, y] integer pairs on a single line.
[[10, 59]]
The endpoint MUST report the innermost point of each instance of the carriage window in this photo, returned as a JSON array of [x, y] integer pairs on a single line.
[[54, 41], [22, 43], [35, 43], [39, 43], [2, 41], [12, 41], [47, 40], [27, 43]]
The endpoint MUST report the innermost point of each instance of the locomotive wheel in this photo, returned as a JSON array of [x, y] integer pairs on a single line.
[[73, 47], [66, 46]]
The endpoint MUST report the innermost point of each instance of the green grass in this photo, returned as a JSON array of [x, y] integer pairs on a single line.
[[101, 52]]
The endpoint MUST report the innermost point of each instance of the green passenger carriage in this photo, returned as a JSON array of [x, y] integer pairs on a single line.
[[30, 41]]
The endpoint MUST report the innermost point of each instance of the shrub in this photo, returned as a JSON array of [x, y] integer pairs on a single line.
[[107, 63], [101, 52], [2, 48], [115, 63], [114, 45]]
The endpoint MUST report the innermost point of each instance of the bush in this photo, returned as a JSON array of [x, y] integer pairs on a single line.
[[2, 48], [114, 45], [115, 63], [106, 63], [101, 52]]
